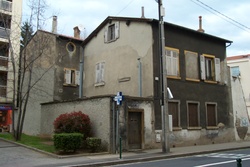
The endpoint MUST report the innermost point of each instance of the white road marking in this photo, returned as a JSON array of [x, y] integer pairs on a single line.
[[219, 163]]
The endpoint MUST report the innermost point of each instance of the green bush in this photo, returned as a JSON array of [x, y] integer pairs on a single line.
[[93, 143], [68, 142], [74, 122]]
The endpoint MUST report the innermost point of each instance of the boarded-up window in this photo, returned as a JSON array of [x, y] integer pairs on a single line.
[[173, 109], [193, 114], [211, 110], [192, 67]]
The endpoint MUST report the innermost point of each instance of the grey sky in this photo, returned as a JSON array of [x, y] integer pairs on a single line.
[[225, 19]]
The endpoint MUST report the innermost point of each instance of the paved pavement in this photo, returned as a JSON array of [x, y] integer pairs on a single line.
[[15, 155]]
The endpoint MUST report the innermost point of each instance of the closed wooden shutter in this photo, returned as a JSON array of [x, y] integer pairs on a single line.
[[77, 77], [67, 76], [217, 70], [202, 67], [117, 29]]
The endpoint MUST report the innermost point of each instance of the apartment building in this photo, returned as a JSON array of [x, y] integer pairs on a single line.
[[10, 28]]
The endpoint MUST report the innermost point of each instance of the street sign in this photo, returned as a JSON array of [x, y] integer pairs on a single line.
[[118, 98]]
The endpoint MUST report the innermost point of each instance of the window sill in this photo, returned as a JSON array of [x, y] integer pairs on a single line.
[[193, 80], [194, 128], [69, 85], [212, 127], [173, 77], [177, 128], [212, 82], [99, 84]]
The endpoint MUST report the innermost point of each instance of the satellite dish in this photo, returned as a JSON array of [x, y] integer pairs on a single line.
[[81, 27]]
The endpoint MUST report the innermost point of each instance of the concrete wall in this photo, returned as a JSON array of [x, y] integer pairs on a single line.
[[241, 119], [98, 109], [120, 57]]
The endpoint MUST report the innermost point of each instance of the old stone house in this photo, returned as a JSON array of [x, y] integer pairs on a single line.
[[122, 55]]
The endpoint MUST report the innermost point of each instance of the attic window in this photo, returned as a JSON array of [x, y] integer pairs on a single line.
[[111, 33], [70, 47]]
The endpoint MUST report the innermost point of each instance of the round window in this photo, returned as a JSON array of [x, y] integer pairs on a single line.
[[70, 47]]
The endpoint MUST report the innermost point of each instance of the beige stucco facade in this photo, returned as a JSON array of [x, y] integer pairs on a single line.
[[135, 41]]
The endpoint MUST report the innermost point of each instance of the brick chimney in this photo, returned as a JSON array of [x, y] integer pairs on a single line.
[[200, 25], [76, 32], [54, 25]]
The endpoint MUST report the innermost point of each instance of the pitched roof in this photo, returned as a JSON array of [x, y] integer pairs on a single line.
[[147, 20], [238, 57]]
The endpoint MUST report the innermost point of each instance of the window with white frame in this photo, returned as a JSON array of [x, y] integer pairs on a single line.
[[99, 73], [111, 33], [172, 62], [71, 77], [210, 68]]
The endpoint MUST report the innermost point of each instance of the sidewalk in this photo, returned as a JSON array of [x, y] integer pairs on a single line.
[[105, 159]]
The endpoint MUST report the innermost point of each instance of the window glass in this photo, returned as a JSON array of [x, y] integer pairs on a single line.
[[235, 71]]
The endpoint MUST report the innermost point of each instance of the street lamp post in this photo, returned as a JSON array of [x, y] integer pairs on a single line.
[[164, 99]]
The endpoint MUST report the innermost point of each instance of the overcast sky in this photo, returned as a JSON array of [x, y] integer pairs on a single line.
[[228, 19]]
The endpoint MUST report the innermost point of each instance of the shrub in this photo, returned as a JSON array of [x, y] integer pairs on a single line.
[[93, 143], [74, 122], [68, 141]]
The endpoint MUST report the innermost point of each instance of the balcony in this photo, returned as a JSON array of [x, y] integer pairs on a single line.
[[4, 62], [6, 5], [4, 33], [3, 91]]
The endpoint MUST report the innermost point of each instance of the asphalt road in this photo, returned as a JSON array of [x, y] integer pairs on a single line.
[[220, 159]]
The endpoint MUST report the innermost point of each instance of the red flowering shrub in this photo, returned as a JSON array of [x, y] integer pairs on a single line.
[[74, 122]]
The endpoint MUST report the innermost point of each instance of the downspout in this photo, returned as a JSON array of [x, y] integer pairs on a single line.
[[81, 72], [140, 77]]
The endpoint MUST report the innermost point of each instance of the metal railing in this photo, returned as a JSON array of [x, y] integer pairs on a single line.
[[6, 5], [4, 61], [4, 33]]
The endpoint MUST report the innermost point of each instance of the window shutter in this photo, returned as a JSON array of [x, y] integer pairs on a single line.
[[97, 73], [77, 77], [67, 76], [106, 35], [117, 28], [217, 69], [175, 64], [102, 71], [202, 66], [168, 62]]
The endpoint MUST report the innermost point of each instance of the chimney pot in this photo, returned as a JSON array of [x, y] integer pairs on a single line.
[[76, 32], [142, 12], [54, 25], [200, 25]]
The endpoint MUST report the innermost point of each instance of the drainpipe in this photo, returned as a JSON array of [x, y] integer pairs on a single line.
[[139, 77], [81, 73]]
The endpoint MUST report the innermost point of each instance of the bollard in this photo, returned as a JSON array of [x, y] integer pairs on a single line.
[[120, 148], [238, 162]]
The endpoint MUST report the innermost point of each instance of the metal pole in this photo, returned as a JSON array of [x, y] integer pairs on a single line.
[[239, 163], [140, 77], [164, 100]]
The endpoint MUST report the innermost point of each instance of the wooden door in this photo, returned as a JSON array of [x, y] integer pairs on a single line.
[[134, 130]]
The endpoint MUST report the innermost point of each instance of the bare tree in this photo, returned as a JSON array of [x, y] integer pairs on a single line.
[[22, 63]]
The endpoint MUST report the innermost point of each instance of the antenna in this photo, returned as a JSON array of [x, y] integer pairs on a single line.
[[83, 31]]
